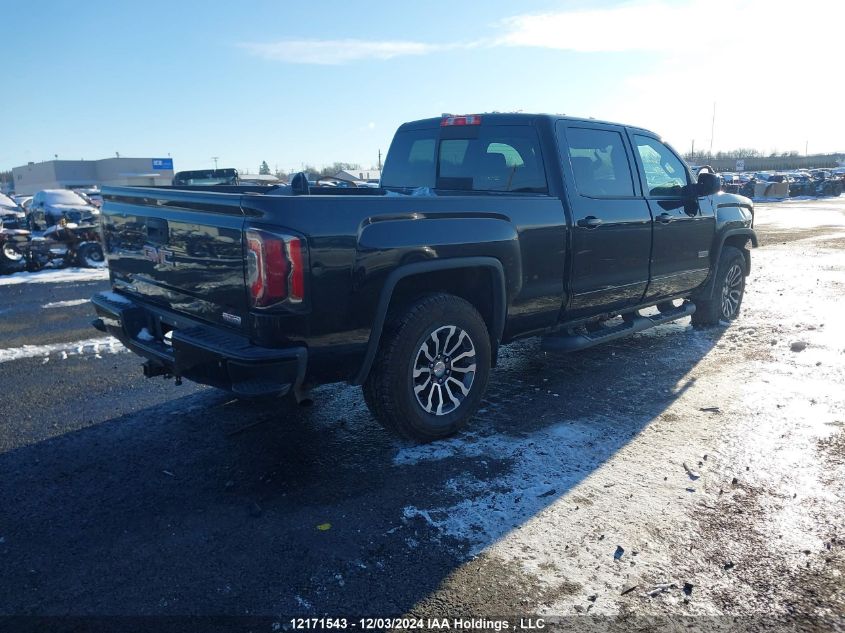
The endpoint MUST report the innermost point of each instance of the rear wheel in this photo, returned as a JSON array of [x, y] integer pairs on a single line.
[[431, 370], [90, 255], [729, 288]]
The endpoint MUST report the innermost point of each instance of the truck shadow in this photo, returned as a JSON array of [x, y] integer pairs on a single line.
[[208, 505]]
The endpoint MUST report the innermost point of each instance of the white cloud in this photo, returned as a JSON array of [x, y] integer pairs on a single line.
[[747, 27], [335, 52], [632, 27]]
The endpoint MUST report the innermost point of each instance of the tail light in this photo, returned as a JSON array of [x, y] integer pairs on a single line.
[[275, 268]]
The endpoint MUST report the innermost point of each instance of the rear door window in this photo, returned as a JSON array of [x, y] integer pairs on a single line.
[[599, 163]]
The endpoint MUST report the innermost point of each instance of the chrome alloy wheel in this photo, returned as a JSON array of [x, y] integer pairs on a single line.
[[11, 253], [732, 291], [444, 370]]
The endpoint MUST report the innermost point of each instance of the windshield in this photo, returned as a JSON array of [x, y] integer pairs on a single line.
[[64, 197]]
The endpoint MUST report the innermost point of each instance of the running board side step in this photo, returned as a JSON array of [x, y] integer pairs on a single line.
[[563, 343]]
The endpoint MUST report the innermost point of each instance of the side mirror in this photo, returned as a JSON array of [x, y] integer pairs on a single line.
[[708, 184]]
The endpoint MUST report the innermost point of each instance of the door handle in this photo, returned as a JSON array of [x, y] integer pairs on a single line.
[[590, 222], [664, 218]]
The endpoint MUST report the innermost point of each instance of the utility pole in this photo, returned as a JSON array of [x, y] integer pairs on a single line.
[[379, 160], [712, 127], [692, 151], [806, 143], [215, 159]]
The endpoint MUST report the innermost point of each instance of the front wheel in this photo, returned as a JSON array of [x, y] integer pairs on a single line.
[[431, 370], [11, 259], [11, 253], [728, 290]]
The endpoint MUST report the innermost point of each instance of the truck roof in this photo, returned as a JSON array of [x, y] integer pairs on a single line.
[[512, 118]]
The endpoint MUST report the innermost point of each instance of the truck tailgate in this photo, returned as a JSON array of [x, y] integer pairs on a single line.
[[180, 250]]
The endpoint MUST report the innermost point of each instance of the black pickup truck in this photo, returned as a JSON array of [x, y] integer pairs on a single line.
[[486, 228]]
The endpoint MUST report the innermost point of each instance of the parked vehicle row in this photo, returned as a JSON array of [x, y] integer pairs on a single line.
[[58, 227], [813, 182]]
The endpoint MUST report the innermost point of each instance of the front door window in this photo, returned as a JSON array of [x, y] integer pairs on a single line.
[[664, 172]]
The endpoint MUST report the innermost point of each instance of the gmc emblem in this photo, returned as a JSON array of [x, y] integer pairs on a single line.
[[159, 255]]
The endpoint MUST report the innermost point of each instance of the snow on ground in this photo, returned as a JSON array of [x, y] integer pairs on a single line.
[[725, 489], [796, 214], [92, 346], [66, 304], [62, 275]]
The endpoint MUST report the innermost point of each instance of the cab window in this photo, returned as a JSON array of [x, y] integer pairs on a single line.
[[496, 158], [410, 161], [500, 158]]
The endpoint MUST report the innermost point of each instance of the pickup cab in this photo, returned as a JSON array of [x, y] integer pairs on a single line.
[[486, 228]]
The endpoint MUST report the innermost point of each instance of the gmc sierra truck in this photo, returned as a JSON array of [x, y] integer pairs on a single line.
[[487, 228]]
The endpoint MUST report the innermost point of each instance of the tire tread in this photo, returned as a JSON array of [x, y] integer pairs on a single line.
[[708, 311], [377, 390]]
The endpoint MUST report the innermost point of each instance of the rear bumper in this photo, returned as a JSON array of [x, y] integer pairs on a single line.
[[197, 351]]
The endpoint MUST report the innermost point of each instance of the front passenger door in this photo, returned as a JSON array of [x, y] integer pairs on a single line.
[[683, 223]]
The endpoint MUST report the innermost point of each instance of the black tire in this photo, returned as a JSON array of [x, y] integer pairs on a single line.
[[728, 291], [415, 334], [90, 255]]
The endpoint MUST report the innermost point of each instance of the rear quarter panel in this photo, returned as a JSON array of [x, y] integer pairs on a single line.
[[355, 242]]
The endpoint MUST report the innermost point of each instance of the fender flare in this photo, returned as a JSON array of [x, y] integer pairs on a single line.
[[499, 301], [706, 290]]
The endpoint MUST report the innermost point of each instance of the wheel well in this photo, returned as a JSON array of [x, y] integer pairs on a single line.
[[473, 284], [740, 242]]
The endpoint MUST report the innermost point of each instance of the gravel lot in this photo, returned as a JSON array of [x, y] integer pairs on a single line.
[[680, 473]]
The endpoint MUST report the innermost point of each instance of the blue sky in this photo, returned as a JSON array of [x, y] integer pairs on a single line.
[[294, 82]]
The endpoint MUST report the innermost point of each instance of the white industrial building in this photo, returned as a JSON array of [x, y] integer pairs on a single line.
[[67, 174]]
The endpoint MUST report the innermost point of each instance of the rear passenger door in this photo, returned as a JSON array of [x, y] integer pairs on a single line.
[[611, 234], [683, 223]]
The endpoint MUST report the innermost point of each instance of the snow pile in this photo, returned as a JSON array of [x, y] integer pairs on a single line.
[[66, 304], [95, 346]]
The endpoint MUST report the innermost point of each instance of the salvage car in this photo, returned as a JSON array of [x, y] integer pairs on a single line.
[[65, 244], [51, 206], [65, 231], [11, 214], [487, 228]]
